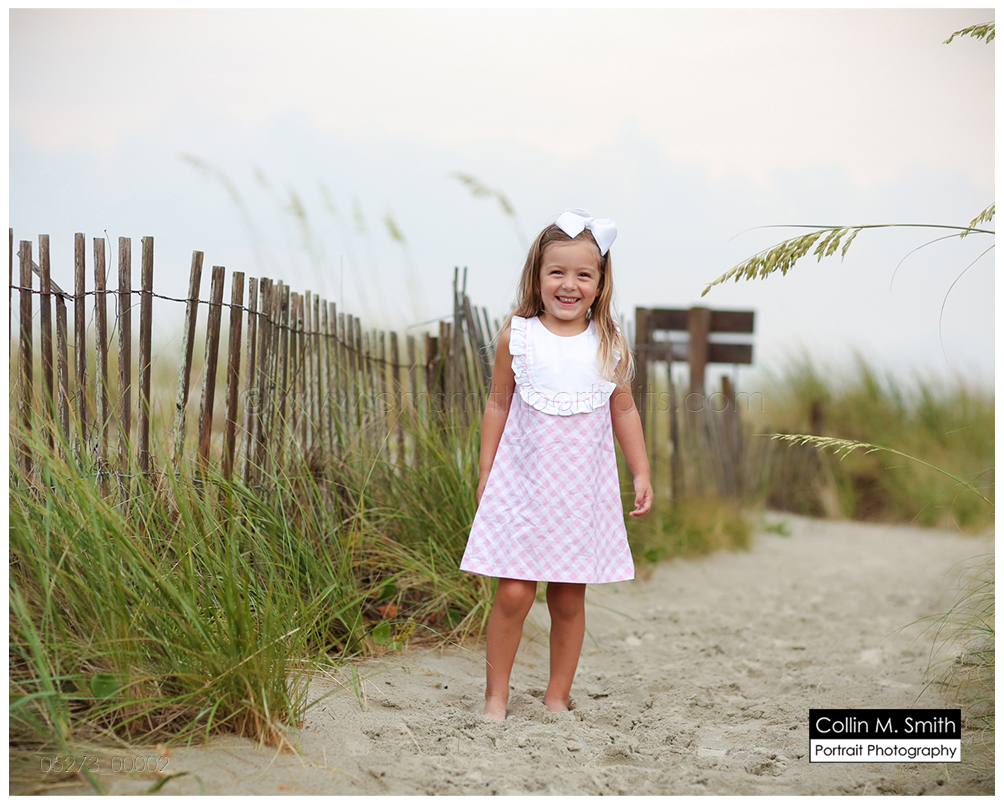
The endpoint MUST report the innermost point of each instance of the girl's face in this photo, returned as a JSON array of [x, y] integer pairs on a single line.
[[569, 283]]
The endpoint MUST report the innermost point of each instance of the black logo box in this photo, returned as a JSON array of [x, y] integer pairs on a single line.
[[885, 724]]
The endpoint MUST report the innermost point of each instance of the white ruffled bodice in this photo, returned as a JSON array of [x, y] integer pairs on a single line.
[[555, 374]]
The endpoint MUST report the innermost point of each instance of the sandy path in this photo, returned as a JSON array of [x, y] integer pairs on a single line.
[[696, 680]]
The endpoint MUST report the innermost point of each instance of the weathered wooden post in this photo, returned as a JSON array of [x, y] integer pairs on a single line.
[[233, 372], [125, 362], [209, 368], [328, 337], [250, 402], [45, 325], [698, 326], [63, 380], [102, 409], [262, 379], [187, 349], [641, 380], [26, 358], [145, 353], [282, 372], [397, 397], [80, 334]]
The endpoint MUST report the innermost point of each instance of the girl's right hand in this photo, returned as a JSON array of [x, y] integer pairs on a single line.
[[481, 488]]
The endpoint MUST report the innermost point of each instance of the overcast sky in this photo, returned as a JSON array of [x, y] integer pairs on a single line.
[[690, 128]]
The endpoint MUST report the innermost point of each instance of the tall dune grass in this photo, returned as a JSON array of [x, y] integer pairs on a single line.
[[200, 606], [950, 425], [963, 663], [161, 617]]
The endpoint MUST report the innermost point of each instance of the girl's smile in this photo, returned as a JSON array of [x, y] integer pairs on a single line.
[[569, 284]]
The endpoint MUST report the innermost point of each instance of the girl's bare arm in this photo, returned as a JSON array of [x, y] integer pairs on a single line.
[[627, 428], [496, 409]]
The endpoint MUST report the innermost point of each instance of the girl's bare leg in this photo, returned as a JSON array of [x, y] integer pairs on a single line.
[[513, 599], [567, 604]]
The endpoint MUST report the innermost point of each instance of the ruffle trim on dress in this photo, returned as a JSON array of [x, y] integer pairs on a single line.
[[560, 403]]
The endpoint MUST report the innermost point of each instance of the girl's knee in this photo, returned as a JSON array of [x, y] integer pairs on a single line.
[[515, 596], [566, 600]]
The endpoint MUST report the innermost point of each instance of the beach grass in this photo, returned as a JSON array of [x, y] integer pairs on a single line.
[[195, 606], [699, 525], [949, 424], [963, 663]]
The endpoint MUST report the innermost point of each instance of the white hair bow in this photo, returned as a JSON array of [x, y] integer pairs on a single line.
[[573, 221]]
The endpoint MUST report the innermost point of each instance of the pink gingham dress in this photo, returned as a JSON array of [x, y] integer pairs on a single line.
[[552, 510]]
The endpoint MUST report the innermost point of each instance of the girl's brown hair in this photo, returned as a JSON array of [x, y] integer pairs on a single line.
[[530, 303]]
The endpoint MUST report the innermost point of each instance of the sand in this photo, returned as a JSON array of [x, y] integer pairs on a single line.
[[694, 680]]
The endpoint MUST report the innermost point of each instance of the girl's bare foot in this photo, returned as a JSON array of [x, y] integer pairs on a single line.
[[556, 704], [494, 709]]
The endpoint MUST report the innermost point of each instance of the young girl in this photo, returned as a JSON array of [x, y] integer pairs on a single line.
[[549, 503]]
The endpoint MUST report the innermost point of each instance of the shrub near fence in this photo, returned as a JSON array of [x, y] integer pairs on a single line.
[[170, 578], [297, 373]]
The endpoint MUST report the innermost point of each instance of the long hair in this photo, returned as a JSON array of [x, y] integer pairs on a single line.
[[530, 303]]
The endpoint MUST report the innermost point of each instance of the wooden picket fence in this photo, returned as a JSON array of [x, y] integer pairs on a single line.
[[295, 383], [297, 372]]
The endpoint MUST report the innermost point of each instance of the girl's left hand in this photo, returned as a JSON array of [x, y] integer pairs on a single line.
[[643, 496]]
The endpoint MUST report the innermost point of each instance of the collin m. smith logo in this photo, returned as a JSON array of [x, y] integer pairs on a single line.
[[885, 735]]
